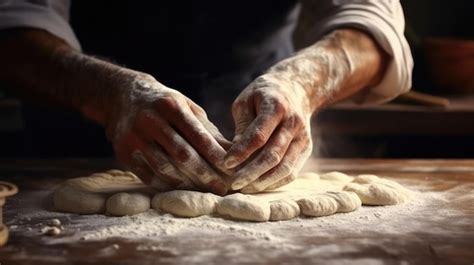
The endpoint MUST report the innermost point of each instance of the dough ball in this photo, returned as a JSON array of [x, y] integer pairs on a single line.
[[318, 205], [73, 200], [244, 207], [123, 203], [185, 203], [373, 190], [309, 175], [346, 201], [336, 176], [283, 210]]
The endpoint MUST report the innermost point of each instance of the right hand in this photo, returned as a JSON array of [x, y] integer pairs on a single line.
[[164, 137]]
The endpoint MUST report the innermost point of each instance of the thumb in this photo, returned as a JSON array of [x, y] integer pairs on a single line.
[[243, 115]]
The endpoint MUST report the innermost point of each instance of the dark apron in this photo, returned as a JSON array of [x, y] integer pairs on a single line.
[[208, 50]]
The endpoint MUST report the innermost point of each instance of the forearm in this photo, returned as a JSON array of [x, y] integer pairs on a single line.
[[41, 67], [343, 63]]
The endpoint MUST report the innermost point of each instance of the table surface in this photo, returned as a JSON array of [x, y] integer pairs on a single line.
[[437, 228]]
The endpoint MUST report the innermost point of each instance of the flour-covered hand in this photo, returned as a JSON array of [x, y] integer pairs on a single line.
[[273, 138], [164, 137]]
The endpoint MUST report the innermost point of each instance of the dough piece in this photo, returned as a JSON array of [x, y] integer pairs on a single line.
[[309, 175], [283, 210], [336, 176], [346, 201], [123, 203], [185, 203], [72, 200], [110, 181], [373, 190], [244, 207], [329, 203]]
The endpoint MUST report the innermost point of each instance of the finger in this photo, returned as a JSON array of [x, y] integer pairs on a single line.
[[282, 170], [243, 113], [282, 182], [268, 158], [141, 169], [133, 150], [255, 136], [162, 166], [186, 123], [211, 128], [276, 185], [183, 155]]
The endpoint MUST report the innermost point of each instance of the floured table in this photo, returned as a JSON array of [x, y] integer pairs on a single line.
[[437, 227]]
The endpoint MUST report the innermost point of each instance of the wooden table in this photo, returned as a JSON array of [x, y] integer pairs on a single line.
[[440, 234]]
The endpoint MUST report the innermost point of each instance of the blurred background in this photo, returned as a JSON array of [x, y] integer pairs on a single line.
[[435, 121]]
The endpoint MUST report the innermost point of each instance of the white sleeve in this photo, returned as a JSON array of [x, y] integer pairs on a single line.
[[384, 20], [49, 15]]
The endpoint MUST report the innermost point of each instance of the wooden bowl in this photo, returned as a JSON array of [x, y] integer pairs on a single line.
[[451, 63]]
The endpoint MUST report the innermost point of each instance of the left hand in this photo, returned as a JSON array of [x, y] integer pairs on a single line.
[[273, 134]]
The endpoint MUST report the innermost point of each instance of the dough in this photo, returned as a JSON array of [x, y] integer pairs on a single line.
[[110, 181], [336, 177], [310, 194], [123, 203], [284, 210], [185, 203], [329, 203], [373, 190], [88, 195], [72, 200], [244, 207]]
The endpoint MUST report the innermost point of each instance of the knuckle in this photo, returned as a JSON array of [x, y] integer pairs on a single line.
[[259, 137], [183, 154], [166, 102], [280, 104]]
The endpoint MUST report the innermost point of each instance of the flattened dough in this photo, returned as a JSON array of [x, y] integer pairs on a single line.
[[283, 210], [185, 203], [373, 190], [69, 199], [88, 195], [124, 203], [310, 194], [244, 207]]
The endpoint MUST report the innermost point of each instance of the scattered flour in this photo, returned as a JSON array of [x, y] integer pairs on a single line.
[[152, 230]]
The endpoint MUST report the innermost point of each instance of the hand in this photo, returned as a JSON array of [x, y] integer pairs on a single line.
[[273, 138], [164, 136]]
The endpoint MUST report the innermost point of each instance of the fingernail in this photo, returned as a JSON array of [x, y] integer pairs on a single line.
[[218, 187], [231, 162], [238, 185], [237, 138]]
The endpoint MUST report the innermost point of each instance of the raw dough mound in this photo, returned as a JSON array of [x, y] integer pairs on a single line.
[[283, 210], [329, 203], [373, 190], [310, 194], [346, 201], [336, 176], [244, 207], [112, 180], [185, 203], [123, 203], [73, 200], [309, 175]]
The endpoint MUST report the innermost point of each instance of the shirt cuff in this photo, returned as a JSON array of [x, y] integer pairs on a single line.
[[397, 78], [36, 16]]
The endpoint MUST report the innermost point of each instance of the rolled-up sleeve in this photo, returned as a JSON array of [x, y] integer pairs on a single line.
[[48, 15], [384, 20]]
